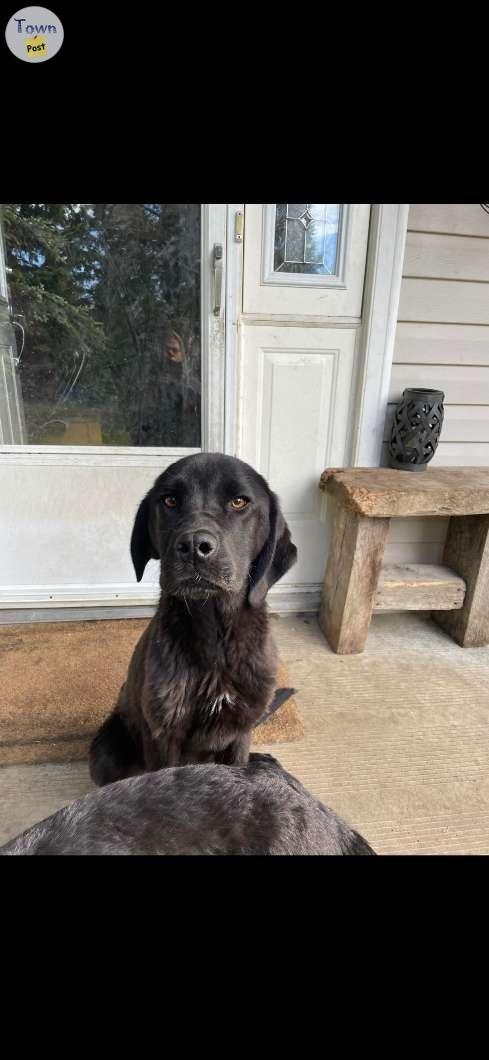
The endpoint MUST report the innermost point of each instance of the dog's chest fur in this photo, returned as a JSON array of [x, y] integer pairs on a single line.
[[221, 688], [220, 696], [214, 708]]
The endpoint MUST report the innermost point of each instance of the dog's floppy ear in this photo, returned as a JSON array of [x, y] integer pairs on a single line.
[[276, 558], [142, 548]]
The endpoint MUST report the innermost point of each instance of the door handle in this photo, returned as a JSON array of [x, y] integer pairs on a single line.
[[217, 260]]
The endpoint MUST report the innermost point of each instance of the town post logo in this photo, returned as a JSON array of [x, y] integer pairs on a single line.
[[34, 34]]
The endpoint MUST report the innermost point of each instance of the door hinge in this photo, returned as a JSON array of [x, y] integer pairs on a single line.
[[239, 227]]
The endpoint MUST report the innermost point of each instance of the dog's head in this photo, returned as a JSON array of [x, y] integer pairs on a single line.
[[216, 527]]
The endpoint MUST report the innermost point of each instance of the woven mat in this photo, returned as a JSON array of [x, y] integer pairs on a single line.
[[59, 681]]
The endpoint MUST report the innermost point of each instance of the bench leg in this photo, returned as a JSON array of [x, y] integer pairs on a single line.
[[467, 553], [352, 575]]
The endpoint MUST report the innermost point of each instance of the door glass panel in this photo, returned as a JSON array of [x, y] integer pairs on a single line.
[[106, 308], [308, 238]]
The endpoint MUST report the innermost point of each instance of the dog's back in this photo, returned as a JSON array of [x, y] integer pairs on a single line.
[[196, 810]]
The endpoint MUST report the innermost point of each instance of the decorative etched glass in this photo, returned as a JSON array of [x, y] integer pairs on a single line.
[[307, 238]]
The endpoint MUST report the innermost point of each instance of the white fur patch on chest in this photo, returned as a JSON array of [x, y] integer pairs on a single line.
[[215, 708]]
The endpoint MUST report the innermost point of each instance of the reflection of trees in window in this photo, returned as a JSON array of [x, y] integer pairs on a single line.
[[109, 296]]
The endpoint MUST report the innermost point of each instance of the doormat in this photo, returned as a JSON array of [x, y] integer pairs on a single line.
[[60, 681]]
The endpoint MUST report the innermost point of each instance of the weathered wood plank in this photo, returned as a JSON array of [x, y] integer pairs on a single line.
[[352, 575], [419, 587], [384, 493], [467, 552]]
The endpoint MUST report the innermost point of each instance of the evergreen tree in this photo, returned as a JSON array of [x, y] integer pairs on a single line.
[[103, 290]]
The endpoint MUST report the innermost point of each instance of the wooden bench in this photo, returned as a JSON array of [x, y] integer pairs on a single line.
[[357, 583]]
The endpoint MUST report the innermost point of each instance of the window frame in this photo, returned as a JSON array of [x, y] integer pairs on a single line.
[[218, 351]]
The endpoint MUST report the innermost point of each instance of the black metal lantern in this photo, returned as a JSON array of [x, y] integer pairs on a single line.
[[416, 430]]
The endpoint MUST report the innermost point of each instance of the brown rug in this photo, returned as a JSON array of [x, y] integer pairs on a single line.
[[59, 681]]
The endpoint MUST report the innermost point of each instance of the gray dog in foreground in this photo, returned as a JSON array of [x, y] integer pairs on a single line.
[[257, 809]]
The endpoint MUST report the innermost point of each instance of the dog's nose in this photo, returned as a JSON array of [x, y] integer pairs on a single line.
[[201, 545]]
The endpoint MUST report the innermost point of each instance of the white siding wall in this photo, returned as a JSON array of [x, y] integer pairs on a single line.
[[443, 341]]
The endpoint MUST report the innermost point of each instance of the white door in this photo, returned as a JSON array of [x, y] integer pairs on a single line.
[[304, 274], [113, 349]]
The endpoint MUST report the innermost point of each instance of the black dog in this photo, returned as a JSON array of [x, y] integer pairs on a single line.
[[204, 672], [253, 810]]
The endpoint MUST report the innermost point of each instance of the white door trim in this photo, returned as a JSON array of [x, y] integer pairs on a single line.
[[234, 309], [387, 242], [214, 232]]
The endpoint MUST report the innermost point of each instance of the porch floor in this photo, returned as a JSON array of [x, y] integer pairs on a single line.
[[397, 739]]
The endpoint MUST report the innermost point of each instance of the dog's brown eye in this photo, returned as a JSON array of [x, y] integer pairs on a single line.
[[239, 503], [170, 502]]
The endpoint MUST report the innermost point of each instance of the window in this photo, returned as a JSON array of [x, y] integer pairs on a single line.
[[307, 238], [106, 311]]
